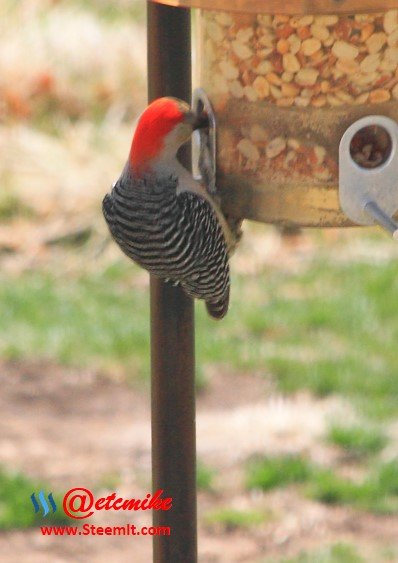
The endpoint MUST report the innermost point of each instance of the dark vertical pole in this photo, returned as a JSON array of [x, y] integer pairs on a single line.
[[172, 325]]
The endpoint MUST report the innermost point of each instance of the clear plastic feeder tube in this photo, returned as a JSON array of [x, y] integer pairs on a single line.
[[285, 89]]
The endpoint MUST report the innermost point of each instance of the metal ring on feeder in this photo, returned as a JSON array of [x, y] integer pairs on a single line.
[[369, 172]]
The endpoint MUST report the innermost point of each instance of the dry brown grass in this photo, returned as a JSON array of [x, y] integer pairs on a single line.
[[72, 80], [59, 60]]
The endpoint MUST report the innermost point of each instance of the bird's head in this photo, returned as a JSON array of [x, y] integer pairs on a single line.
[[163, 127]]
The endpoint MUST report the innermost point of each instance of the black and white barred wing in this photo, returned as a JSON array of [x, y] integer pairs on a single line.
[[174, 237]]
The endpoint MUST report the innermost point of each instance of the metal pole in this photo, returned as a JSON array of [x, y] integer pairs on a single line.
[[172, 325]]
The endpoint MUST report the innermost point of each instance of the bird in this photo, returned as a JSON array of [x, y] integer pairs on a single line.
[[163, 218]]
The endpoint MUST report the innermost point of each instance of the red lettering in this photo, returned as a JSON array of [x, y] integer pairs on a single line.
[[155, 503], [99, 504], [109, 500], [167, 503], [119, 502], [144, 503], [85, 502], [80, 500], [130, 504]]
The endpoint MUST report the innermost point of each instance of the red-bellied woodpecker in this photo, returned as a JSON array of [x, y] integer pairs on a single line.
[[165, 220]]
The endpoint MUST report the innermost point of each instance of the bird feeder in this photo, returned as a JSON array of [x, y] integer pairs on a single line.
[[286, 80], [302, 97]]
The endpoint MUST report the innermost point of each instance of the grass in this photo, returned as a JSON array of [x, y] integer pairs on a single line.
[[387, 478], [269, 473], [115, 12], [99, 319], [11, 206], [230, 519], [329, 488], [336, 553], [16, 508], [377, 492], [69, 75], [357, 441], [204, 477], [110, 481], [331, 329]]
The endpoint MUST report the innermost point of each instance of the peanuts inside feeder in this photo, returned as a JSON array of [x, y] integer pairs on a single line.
[[284, 89]]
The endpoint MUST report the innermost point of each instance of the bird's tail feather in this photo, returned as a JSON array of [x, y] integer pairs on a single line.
[[219, 309]]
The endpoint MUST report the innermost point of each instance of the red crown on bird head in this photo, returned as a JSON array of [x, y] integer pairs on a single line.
[[159, 118]]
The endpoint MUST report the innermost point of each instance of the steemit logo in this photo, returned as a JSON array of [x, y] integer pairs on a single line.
[[43, 503]]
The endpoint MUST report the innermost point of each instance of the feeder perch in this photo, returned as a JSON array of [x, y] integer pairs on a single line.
[[369, 172]]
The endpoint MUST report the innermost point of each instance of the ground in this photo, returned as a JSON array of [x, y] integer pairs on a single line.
[[104, 434]]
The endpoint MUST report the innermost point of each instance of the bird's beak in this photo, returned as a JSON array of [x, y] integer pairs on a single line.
[[198, 121]]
